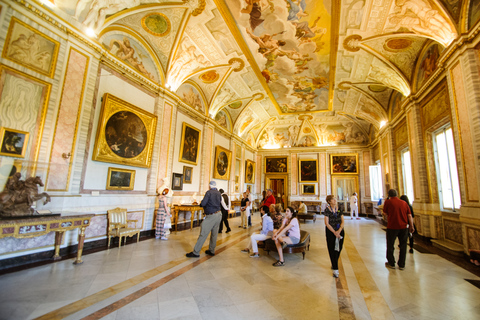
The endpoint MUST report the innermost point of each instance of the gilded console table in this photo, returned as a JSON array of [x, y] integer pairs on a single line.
[[39, 226], [186, 207]]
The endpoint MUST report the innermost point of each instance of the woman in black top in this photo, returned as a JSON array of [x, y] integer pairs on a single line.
[[405, 198], [333, 231]]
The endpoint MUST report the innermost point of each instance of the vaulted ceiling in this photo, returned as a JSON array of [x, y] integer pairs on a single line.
[[280, 73]]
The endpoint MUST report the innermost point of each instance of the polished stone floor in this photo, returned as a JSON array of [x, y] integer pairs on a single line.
[[154, 280]]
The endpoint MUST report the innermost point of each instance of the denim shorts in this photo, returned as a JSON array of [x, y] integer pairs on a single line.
[[294, 240]]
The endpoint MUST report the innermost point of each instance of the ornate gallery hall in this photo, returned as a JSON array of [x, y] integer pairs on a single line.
[[114, 113], [154, 280]]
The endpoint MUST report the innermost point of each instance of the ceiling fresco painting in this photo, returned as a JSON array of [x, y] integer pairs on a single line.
[[130, 52], [281, 73], [291, 43]]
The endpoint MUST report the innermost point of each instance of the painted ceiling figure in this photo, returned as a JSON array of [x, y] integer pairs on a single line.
[[100, 9], [296, 10], [254, 9], [293, 135]]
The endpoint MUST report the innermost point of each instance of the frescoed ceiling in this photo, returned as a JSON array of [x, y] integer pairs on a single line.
[[280, 73]]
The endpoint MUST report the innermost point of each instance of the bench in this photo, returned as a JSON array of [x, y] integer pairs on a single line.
[[302, 246], [312, 209]]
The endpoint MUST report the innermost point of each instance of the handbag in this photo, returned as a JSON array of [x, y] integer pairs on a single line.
[[168, 222]]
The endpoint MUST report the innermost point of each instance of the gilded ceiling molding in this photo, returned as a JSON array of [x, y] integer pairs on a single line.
[[263, 129], [355, 42], [346, 85]]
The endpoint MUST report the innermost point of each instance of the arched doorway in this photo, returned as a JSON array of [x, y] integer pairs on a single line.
[[278, 183]]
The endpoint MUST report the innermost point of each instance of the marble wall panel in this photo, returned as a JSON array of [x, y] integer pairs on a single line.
[[470, 169], [453, 231], [322, 181], [67, 122], [10, 244], [366, 172], [164, 143], [294, 174], [208, 156], [414, 155], [473, 238]]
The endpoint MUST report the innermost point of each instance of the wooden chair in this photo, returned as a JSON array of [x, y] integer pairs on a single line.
[[232, 212], [118, 226]]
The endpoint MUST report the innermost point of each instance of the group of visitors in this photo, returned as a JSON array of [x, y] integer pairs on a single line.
[[285, 230]]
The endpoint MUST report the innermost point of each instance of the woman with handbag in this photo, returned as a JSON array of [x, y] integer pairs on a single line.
[[162, 213], [334, 232]]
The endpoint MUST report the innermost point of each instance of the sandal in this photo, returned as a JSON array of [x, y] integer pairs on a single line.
[[279, 263]]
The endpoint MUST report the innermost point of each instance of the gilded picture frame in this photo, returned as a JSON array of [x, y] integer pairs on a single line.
[[222, 164], [309, 189], [249, 171], [30, 48], [125, 133], [345, 163], [13, 143], [187, 174], [276, 165], [177, 181], [308, 170], [120, 179], [190, 143]]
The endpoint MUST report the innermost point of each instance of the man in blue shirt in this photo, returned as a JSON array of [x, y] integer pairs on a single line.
[[266, 233], [211, 204]]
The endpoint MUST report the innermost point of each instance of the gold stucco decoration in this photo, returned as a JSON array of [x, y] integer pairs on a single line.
[[157, 24]]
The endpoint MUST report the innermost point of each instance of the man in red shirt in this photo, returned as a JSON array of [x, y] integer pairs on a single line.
[[270, 199], [399, 218]]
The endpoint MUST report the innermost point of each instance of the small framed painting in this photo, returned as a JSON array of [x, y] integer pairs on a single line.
[[13, 142], [223, 158], [344, 163], [187, 174], [120, 179], [308, 170], [177, 181], [308, 189], [249, 171]]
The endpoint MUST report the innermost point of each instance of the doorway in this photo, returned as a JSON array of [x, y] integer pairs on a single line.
[[278, 183], [343, 188]]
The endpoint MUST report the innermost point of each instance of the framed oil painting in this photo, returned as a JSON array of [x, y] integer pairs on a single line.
[[223, 159], [125, 133], [120, 179], [276, 164], [189, 144], [249, 171], [308, 170], [30, 48], [187, 174], [13, 143], [177, 181], [309, 189], [344, 163]]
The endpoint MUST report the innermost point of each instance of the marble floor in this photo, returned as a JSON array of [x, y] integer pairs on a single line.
[[154, 280]]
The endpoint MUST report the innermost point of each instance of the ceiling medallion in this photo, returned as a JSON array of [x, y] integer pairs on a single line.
[[397, 44], [352, 43], [209, 76], [157, 24], [377, 88], [307, 130], [235, 105]]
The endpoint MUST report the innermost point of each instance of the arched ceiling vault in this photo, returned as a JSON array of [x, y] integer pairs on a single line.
[[282, 71]]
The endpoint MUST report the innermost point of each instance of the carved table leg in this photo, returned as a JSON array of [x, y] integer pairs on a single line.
[[192, 216], [81, 237], [176, 219], [58, 242]]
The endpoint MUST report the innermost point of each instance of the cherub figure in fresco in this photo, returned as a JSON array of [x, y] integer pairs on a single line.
[[266, 41], [304, 31], [296, 10], [254, 9], [186, 55]]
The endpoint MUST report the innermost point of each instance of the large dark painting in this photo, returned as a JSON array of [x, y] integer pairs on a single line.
[[308, 170], [344, 163], [276, 164], [126, 134], [189, 144]]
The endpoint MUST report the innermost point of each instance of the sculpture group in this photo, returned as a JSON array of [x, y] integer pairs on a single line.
[[18, 196]]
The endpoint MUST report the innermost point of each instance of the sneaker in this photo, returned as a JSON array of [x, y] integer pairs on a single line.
[[210, 253], [164, 238], [284, 245], [246, 250], [411, 250], [401, 268], [279, 263], [228, 230], [192, 255], [388, 265], [335, 273], [254, 255]]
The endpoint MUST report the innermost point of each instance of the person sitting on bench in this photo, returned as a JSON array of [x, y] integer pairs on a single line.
[[265, 233], [289, 233]]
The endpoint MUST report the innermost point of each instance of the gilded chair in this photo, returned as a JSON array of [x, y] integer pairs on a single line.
[[118, 226]]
